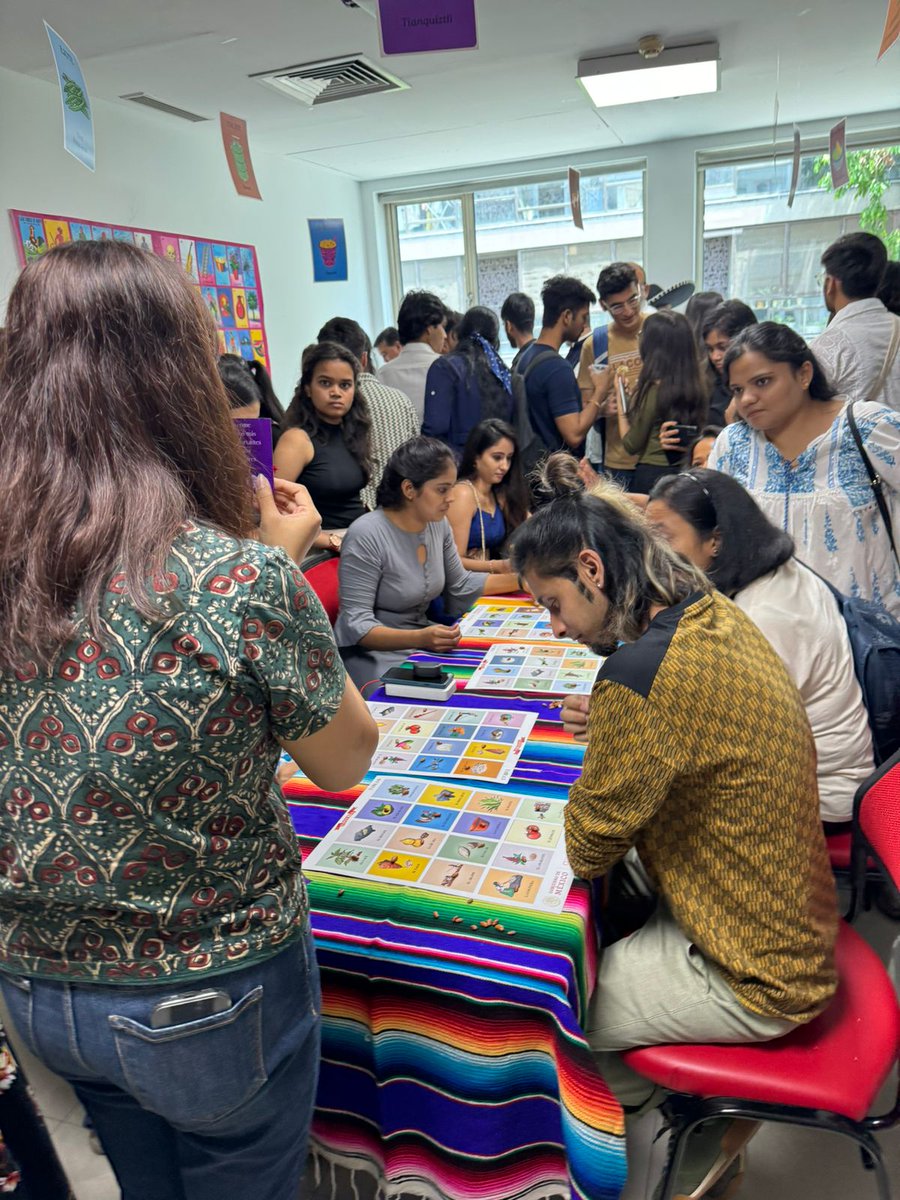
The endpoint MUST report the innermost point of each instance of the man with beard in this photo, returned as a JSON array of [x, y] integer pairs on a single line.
[[713, 787], [517, 315], [555, 406]]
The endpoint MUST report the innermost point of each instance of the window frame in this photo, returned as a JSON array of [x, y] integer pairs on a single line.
[[390, 201], [760, 153]]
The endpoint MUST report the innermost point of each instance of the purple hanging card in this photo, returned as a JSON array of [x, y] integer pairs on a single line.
[[417, 26], [256, 435]]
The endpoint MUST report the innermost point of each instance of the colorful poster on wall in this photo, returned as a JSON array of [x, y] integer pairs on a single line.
[[226, 276], [329, 249], [419, 26], [78, 123], [837, 155], [237, 152]]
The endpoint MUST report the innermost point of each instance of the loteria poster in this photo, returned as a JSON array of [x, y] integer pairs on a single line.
[[329, 249], [225, 274]]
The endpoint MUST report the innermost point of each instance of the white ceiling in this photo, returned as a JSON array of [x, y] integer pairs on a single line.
[[515, 97]]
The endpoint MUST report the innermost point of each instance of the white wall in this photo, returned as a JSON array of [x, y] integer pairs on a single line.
[[159, 172], [670, 216]]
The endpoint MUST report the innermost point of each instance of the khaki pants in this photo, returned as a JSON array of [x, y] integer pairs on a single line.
[[655, 987]]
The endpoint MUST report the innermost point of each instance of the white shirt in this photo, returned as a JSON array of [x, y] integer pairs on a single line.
[[407, 373], [853, 348], [798, 615], [824, 499]]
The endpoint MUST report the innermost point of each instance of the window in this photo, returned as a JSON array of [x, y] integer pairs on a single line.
[[758, 250], [476, 246]]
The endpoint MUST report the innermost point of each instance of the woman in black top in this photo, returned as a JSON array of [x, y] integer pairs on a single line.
[[327, 440]]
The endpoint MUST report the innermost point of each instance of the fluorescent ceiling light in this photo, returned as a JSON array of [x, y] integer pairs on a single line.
[[630, 78]]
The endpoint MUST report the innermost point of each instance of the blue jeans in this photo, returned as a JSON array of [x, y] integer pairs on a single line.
[[214, 1109]]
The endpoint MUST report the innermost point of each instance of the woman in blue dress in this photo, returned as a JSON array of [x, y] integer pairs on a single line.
[[490, 499]]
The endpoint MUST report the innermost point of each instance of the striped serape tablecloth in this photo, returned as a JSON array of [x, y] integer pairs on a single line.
[[453, 1062]]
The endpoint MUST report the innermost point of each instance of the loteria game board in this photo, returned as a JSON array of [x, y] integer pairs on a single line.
[[454, 839], [505, 622], [552, 670], [226, 275], [465, 743]]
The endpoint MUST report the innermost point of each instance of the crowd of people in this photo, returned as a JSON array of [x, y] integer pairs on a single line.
[[702, 479]]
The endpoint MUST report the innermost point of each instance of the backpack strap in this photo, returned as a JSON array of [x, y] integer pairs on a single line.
[[600, 342], [536, 358], [874, 478], [889, 357]]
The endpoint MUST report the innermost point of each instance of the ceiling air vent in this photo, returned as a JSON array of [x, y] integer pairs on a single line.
[[161, 106], [331, 79]]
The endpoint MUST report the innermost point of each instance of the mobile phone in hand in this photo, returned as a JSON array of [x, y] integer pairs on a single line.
[[686, 434]]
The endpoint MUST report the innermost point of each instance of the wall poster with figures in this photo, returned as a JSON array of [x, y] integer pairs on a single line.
[[225, 273]]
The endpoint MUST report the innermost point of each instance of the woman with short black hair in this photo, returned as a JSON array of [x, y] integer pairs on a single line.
[[708, 518]]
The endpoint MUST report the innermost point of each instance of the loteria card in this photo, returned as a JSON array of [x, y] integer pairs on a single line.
[[506, 623], [454, 840], [464, 743], [557, 670]]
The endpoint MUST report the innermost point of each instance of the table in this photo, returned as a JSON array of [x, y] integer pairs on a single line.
[[453, 1062]]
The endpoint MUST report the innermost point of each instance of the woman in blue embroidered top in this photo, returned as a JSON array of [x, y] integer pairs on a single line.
[[490, 499], [794, 451], [468, 385]]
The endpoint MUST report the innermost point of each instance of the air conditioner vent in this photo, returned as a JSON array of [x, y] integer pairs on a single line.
[[161, 106], [331, 79]]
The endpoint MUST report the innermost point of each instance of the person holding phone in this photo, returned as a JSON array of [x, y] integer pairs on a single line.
[[159, 647], [669, 389]]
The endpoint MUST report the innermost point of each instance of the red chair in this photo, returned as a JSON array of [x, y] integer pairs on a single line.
[[322, 577], [875, 841], [826, 1074]]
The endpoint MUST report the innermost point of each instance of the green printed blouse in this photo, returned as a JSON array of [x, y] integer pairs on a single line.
[[142, 836]]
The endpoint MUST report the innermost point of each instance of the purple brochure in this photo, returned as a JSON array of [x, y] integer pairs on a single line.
[[256, 435]]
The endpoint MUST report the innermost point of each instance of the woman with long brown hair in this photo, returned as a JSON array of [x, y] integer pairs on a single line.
[[154, 659], [669, 388]]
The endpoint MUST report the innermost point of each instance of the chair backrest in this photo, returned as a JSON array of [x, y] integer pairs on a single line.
[[323, 579], [877, 815]]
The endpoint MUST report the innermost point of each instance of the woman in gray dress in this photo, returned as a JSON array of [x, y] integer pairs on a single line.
[[397, 560]]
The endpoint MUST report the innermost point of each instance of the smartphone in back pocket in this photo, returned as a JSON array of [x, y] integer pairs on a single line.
[[180, 1010]]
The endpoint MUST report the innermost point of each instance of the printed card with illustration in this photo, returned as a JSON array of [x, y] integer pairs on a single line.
[[480, 745], [557, 670], [457, 839], [507, 623]]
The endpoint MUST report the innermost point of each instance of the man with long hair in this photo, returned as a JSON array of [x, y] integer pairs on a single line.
[[711, 790]]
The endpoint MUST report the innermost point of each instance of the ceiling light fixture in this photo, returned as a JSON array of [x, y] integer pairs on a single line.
[[654, 72]]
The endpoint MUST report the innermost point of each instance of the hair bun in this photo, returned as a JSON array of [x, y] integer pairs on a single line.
[[557, 477]]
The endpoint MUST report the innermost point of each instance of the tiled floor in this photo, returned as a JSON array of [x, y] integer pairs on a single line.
[[784, 1163]]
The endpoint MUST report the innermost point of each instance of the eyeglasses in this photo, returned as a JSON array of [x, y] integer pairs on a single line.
[[821, 277], [632, 303]]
